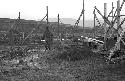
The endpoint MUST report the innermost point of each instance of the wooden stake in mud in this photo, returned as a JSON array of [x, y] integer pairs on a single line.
[[118, 21], [112, 11], [58, 26], [105, 28], [94, 22], [19, 16], [112, 20], [18, 23], [47, 15], [83, 19]]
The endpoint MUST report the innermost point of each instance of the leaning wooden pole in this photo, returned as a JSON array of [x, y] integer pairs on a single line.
[[118, 21], [83, 19], [105, 28]]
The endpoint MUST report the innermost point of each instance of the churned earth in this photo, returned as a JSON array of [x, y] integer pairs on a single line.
[[71, 63]]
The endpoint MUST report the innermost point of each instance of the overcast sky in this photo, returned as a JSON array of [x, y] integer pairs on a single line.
[[36, 9]]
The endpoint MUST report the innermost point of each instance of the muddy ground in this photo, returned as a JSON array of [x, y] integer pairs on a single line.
[[72, 64]]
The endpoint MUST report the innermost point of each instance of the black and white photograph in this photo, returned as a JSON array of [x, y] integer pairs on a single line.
[[62, 40]]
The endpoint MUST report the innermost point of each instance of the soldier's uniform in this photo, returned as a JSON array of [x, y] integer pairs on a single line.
[[48, 37]]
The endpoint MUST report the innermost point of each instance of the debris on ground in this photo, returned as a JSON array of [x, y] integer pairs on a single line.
[[67, 61]]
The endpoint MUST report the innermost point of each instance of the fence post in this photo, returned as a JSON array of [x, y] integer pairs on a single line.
[[118, 21], [105, 28]]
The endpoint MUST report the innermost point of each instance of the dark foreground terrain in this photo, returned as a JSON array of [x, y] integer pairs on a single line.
[[62, 64]]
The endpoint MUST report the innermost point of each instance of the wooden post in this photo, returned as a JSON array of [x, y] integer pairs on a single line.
[[83, 19], [58, 27], [23, 35], [17, 23], [118, 21], [105, 28], [112, 21], [19, 16], [47, 15], [112, 11], [94, 23]]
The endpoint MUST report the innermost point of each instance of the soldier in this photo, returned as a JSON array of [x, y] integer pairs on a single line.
[[48, 37]]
